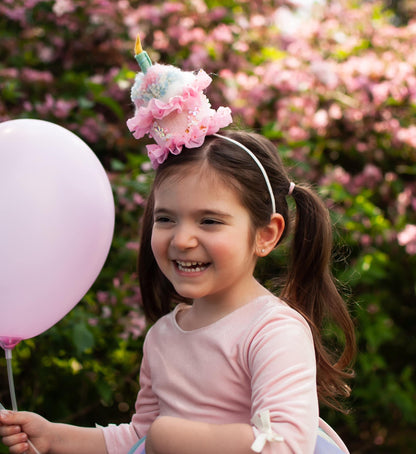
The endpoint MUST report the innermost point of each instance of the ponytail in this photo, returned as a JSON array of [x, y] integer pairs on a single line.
[[310, 289]]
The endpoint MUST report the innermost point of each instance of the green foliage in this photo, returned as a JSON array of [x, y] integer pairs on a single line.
[[337, 97]]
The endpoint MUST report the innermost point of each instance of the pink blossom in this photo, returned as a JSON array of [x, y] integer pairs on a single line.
[[246, 81], [372, 174], [241, 46], [17, 13], [325, 72], [354, 115], [297, 134], [106, 312], [152, 13], [102, 297], [335, 111], [341, 176], [46, 54], [365, 240], [33, 75], [90, 130], [390, 177], [146, 167], [160, 40], [198, 57], [320, 119], [407, 238], [380, 92], [27, 106], [172, 7], [138, 199], [407, 135], [62, 7], [338, 175], [222, 33], [217, 13], [132, 245], [135, 325], [362, 147], [370, 177], [404, 200], [191, 36], [10, 73], [258, 20], [62, 108]]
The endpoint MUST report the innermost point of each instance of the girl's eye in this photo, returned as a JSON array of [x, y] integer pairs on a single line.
[[211, 222], [162, 219]]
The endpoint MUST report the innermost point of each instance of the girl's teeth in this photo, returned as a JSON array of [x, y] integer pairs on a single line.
[[192, 267]]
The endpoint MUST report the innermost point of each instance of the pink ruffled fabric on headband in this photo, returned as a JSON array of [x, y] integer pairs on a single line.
[[172, 109]]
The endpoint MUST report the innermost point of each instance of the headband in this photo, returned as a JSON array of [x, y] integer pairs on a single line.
[[172, 109], [260, 165]]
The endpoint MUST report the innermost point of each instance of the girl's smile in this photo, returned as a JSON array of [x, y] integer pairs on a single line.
[[191, 267]]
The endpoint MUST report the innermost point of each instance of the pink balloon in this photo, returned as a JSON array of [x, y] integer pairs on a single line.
[[56, 225]]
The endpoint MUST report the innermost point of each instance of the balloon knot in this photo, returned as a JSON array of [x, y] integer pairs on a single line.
[[8, 343]]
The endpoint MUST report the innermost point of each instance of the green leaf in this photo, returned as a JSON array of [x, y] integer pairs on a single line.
[[82, 337]]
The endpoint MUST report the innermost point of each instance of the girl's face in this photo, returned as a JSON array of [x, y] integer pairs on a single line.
[[202, 238]]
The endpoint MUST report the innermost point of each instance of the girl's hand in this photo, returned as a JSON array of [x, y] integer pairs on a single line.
[[17, 427]]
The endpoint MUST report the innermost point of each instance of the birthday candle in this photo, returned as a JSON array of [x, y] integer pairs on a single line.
[[142, 56]]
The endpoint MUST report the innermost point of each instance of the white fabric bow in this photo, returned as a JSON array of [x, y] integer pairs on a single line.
[[262, 422]]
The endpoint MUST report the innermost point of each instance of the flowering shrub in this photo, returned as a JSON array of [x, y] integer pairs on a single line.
[[337, 94]]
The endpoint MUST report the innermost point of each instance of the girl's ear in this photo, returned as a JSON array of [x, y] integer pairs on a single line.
[[268, 236]]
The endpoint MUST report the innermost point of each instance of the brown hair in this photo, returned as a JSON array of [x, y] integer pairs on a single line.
[[309, 287]]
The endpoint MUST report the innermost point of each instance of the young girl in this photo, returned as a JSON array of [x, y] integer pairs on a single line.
[[228, 367]]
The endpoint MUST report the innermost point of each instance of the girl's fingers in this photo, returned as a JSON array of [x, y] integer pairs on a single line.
[[14, 438], [22, 448], [9, 430], [6, 417], [14, 441]]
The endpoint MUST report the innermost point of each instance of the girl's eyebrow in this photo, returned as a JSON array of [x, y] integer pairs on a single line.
[[203, 212], [219, 213]]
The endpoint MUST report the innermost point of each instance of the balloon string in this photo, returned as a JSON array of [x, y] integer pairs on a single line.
[[33, 446], [12, 388], [10, 378]]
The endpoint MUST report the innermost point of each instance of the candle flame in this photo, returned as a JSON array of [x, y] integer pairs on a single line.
[[138, 46]]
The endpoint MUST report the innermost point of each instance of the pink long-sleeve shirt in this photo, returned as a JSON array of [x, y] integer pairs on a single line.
[[259, 357]]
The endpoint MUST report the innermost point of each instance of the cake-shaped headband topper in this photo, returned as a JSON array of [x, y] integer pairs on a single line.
[[171, 108]]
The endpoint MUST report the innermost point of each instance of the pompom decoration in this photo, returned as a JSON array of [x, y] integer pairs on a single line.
[[171, 108]]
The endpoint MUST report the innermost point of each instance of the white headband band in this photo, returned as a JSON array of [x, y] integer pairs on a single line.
[[259, 164]]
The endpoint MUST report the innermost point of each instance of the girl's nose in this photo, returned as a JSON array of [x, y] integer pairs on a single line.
[[184, 238]]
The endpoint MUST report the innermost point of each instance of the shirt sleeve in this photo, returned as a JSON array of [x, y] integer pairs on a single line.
[[120, 439], [281, 360]]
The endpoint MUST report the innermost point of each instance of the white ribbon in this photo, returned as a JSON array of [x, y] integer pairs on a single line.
[[262, 422]]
